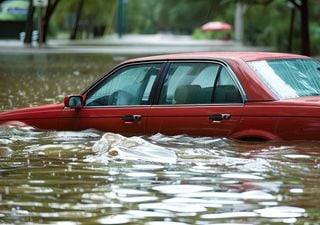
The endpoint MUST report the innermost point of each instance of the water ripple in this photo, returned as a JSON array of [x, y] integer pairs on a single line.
[[89, 177]]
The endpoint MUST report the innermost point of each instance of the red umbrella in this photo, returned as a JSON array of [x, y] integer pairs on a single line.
[[216, 26]]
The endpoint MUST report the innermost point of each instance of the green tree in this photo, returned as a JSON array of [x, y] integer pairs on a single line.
[[274, 28], [179, 16], [92, 14], [266, 22], [52, 4], [29, 23]]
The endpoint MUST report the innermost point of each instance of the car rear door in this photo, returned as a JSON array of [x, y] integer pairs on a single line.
[[197, 98], [120, 103]]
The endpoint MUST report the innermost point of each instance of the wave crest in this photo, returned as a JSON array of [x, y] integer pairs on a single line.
[[130, 148]]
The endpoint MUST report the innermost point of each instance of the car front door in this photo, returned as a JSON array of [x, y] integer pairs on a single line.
[[119, 103], [197, 98]]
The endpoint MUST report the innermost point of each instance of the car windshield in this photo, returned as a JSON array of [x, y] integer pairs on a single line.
[[289, 78]]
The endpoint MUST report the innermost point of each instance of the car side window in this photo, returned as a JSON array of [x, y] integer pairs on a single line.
[[226, 90], [198, 83], [189, 83], [130, 85]]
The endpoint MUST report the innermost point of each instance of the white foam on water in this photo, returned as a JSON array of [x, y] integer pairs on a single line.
[[130, 148]]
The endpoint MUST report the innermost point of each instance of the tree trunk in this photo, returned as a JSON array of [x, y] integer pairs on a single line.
[[302, 5], [120, 18], [305, 39], [29, 24], [46, 19], [74, 31], [290, 38], [238, 21]]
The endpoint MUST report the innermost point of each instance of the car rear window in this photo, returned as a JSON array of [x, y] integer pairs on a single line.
[[289, 78]]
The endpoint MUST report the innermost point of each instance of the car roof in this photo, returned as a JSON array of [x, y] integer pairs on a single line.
[[244, 56]]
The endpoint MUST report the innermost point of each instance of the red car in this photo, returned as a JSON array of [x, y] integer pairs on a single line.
[[241, 95]]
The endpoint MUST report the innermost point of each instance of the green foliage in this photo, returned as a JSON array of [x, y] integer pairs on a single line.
[[315, 38], [263, 26], [94, 13], [266, 22], [270, 25], [179, 16], [198, 34]]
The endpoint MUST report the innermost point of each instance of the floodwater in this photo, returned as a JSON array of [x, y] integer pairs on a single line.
[[91, 177]]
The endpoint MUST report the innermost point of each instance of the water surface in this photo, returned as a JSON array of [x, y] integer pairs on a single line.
[[91, 177], [34, 79]]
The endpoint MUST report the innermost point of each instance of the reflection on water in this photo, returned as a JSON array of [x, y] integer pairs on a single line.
[[93, 178], [90, 177]]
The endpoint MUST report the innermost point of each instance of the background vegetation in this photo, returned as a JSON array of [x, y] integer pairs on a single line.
[[266, 22]]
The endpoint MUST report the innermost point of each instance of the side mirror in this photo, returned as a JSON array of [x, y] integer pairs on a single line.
[[73, 101]]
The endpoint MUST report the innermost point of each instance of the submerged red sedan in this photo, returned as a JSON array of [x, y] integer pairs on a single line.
[[240, 95]]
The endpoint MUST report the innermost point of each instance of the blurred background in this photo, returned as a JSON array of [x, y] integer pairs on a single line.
[[283, 25]]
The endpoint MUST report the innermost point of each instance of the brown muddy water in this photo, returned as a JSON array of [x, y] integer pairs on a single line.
[[90, 177]]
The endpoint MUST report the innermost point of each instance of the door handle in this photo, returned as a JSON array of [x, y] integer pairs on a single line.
[[131, 118], [219, 117]]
